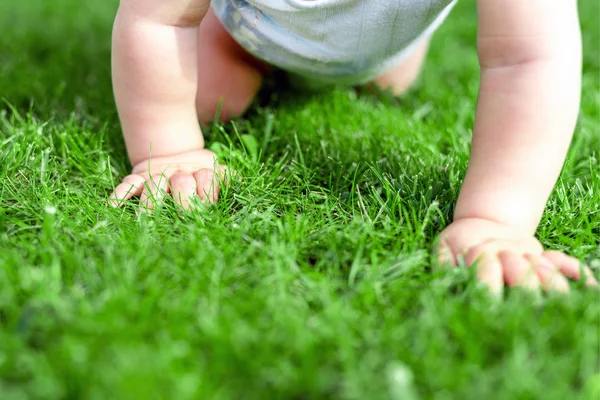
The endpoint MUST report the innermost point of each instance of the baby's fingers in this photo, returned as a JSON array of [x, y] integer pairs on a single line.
[[132, 185], [548, 274], [154, 191], [183, 188], [444, 254], [489, 267], [570, 266], [518, 271], [208, 185]]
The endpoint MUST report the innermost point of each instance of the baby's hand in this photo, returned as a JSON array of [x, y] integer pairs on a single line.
[[184, 175], [504, 255]]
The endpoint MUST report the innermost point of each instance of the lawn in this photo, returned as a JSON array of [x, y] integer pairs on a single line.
[[310, 279]]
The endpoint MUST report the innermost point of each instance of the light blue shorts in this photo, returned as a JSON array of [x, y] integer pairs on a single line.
[[332, 41]]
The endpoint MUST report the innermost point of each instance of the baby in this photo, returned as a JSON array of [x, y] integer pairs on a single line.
[[176, 62]]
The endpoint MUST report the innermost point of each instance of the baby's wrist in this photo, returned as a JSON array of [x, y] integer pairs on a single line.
[[141, 162], [509, 204], [161, 142], [516, 222]]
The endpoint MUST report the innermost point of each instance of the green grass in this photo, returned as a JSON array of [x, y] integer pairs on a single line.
[[309, 279]]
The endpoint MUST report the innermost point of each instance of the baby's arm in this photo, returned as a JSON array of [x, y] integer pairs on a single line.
[[530, 57], [154, 64]]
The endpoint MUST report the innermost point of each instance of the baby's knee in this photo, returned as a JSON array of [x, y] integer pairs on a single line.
[[400, 78], [209, 110], [396, 87]]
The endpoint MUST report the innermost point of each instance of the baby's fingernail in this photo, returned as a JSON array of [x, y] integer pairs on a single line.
[[590, 279], [444, 254], [591, 282]]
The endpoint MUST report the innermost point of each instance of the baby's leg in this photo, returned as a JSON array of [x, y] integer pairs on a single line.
[[228, 76], [401, 77]]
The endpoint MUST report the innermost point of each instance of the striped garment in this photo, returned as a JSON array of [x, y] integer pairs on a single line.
[[332, 41]]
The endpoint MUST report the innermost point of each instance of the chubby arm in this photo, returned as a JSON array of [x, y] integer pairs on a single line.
[[530, 57], [154, 66]]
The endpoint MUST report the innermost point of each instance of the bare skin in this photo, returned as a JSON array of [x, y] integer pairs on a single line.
[[171, 70]]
